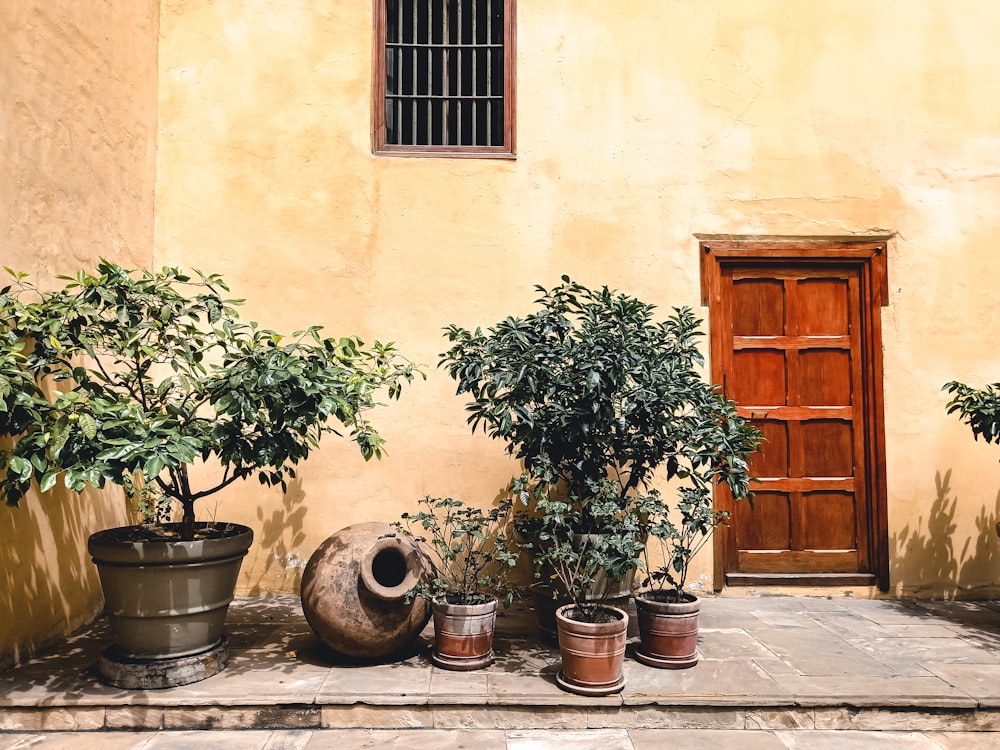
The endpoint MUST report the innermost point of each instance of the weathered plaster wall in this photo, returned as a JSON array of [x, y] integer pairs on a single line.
[[77, 140], [639, 124]]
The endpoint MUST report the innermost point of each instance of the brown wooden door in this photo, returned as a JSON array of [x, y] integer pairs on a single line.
[[789, 347]]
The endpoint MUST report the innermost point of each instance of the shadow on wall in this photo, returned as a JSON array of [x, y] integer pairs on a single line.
[[280, 533], [48, 584], [925, 559]]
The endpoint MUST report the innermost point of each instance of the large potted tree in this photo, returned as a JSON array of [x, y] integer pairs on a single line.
[[136, 378], [598, 399]]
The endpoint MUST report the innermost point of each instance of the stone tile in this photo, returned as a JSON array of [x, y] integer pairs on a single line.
[[820, 740], [718, 739], [295, 739], [862, 690], [542, 689], [510, 717], [134, 717], [718, 682], [376, 717], [980, 681], [255, 717], [781, 718], [51, 719], [466, 687], [74, 741], [904, 655], [422, 739], [233, 740], [847, 624], [814, 651], [730, 643], [877, 719], [383, 684], [965, 740], [672, 717], [584, 739]]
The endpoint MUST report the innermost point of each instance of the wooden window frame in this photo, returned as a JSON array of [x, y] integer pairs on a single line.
[[379, 146], [869, 254]]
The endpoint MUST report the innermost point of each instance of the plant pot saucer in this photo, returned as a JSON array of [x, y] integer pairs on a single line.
[[460, 664], [667, 663], [153, 674], [584, 690]]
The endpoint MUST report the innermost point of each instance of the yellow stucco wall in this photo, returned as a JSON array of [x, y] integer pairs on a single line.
[[639, 124], [77, 157]]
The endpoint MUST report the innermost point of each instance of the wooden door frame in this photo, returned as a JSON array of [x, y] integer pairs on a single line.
[[868, 254]]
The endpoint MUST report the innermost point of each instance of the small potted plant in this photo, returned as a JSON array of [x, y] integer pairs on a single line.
[[474, 555], [667, 613], [578, 542], [132, 378]]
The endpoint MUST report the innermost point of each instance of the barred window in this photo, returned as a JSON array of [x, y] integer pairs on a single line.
[[444, 77]]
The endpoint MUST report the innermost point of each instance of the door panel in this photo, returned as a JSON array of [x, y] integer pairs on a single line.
[[792, 362], [796, 342]]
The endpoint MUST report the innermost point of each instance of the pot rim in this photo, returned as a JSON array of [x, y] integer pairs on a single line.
[[442, 604], [103, 548]]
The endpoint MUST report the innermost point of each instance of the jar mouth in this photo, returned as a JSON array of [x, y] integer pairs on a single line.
[[390, 569]]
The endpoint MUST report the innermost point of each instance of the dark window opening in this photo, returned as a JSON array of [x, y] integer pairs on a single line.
[[443, 80]]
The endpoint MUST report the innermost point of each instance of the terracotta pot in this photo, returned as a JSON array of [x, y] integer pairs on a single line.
[[167, 599], [353, 588], [463, 635], [668, 630], [593, 653]]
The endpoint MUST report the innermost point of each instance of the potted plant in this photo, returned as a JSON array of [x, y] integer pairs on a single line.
[[133, 378], [474, 555], [667, 613], [579, 542], [598, 399]]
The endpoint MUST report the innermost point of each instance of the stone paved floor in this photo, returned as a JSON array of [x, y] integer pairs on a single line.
[[776, 672]]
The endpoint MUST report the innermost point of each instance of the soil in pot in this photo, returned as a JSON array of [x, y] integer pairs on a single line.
[[593, 653], [668, 629]]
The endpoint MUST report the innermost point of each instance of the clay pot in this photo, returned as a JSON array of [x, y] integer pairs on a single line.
[[353, 588], [668, 630], [463, 635], [593, 653]]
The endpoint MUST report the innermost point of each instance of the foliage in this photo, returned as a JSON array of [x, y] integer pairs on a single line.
[[598, 399], [677, 540], [474, 552], [153, 372], [590, 386], [978, 408], [580, 543]]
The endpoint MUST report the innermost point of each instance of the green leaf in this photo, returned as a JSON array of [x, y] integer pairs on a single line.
[[88, 425]]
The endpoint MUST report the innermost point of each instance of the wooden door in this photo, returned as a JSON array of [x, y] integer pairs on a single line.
[[790, 342]]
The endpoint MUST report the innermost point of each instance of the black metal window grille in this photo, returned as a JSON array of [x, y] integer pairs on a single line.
[[444, 65]]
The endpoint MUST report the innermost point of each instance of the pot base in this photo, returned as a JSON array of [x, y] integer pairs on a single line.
[[154, 674], [667, 662], [574, 687], [462, 664]]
